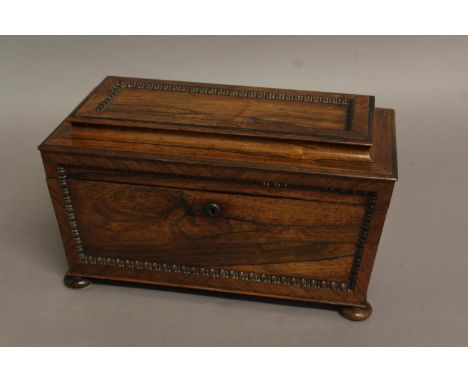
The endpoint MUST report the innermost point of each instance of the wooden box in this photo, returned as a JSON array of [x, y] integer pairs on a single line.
[[255, 191]]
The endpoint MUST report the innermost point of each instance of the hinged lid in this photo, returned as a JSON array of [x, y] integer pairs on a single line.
[[232, 110]]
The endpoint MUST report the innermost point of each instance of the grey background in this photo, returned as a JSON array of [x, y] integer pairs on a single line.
[[419, 289]]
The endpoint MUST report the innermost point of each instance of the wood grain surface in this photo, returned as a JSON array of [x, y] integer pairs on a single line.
[[314, 238], [300, 187], [232, 110]]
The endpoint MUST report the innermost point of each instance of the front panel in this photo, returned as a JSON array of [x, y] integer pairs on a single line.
[[304, 243]]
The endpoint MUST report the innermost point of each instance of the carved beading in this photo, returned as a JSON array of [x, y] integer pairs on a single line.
[[349, 115], [207, 90], [360, 246], [67, 202], [214, 272], [109, 97]]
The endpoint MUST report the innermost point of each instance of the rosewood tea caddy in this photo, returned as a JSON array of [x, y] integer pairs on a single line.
[[254, 191]]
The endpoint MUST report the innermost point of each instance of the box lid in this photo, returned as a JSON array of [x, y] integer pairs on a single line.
[[232, 110]]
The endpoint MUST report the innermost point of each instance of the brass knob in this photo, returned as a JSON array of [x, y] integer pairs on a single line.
[[212, 209]]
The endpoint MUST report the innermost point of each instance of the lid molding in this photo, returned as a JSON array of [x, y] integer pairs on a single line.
[[225, 109]]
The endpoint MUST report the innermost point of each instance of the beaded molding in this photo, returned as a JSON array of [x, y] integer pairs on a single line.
[[370, 207], [161, 86], [62, 181], [215, 272]]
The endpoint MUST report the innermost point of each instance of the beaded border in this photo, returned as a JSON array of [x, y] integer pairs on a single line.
[[370, 207], [222, 273], [67, 201], [161, 86]]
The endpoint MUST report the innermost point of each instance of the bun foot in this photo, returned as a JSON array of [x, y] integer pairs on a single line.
[[76, 282], [356, 314]]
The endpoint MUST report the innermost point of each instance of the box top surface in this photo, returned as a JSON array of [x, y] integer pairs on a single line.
[[229, 110]]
